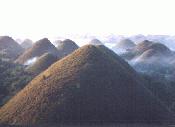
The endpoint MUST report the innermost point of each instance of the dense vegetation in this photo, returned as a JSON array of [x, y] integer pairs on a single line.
[[162, 86], [12, 79]]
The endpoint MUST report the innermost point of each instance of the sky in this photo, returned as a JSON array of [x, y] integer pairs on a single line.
[[50, 18]]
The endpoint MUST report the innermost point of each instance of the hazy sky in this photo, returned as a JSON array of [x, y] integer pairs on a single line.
[[38, 18]]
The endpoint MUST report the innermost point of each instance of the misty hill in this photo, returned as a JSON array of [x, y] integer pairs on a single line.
[[95, 42], [9, 48], [150, 53], [142, 46], [151, 58], [92, 84], [147, 49], [160, 48], [39, 48], [66, 47], [13, 78], [154, 52], [123, 46], [57, 42], [137, 50], [42, 63], [164, 39], [27, 43], [18, 40]]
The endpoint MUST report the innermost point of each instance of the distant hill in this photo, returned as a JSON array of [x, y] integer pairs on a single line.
[[123, 46], [150, 57], [160, 48], [57, 42], [66, 47], [39, 48], [95, 42], [92, 84], [42, 63], [9, 48], [147, 49], [155, 52], [27, 43], [142, 46]]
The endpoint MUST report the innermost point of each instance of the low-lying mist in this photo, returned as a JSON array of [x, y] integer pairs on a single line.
[[148, 57], [31, 61]]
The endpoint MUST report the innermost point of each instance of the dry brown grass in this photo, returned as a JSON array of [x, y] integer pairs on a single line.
[[90, 85]]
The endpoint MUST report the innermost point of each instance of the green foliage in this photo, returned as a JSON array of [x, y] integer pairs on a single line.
[[12, 79]]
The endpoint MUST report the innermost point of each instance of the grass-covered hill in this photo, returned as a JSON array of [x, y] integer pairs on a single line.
[[92, 84]]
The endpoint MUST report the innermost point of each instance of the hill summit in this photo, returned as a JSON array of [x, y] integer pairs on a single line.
[[66, 47], [95, 42], [143, 46], [27, 43], [92, 84], [156, 51], [39, 48], [125, 44]]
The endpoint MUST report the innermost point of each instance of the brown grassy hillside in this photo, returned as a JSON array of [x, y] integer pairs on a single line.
[[92, 84], [39, 48]]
